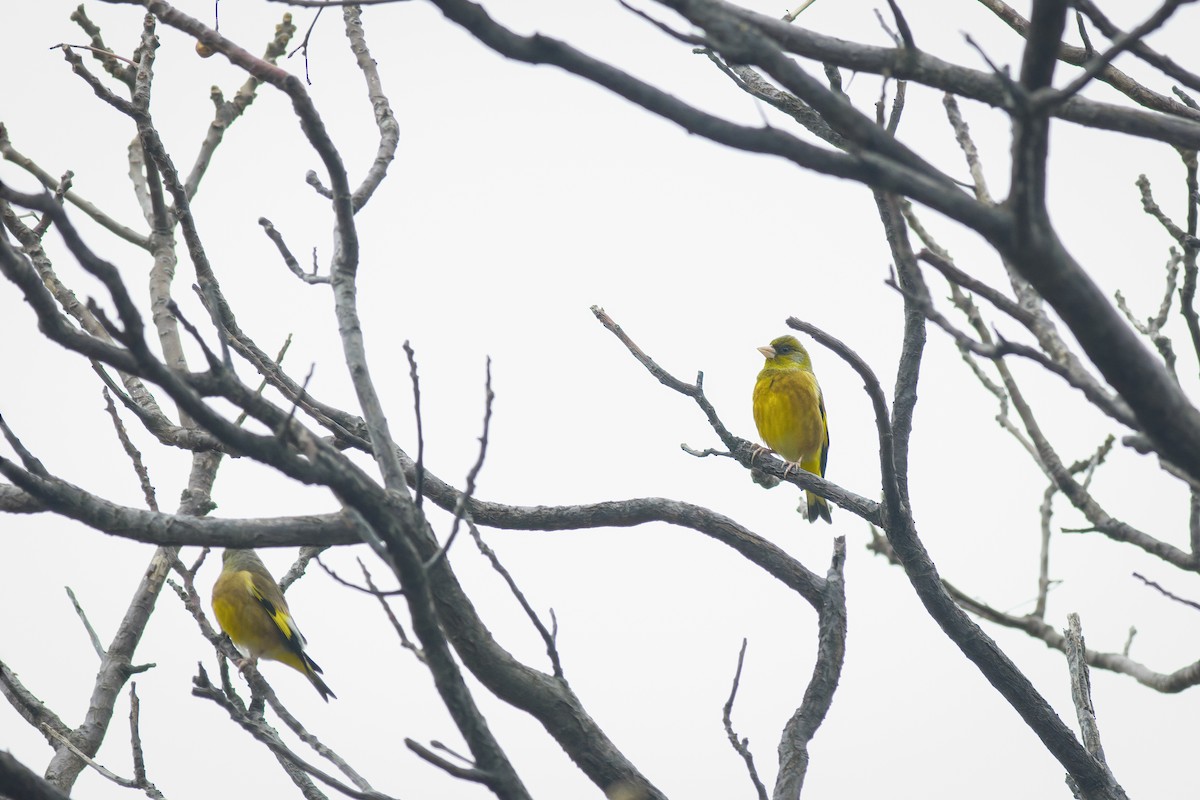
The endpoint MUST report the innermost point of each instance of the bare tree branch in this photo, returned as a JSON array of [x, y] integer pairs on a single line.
[[818, 697]]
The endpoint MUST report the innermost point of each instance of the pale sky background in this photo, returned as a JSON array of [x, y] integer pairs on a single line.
[[520, 197]]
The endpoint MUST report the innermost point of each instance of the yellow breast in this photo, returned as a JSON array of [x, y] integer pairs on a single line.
[[787, 412]]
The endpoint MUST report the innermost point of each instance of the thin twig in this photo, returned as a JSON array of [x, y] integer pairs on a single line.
[[288, 259], [472, 774], [30, 463], [304, 44], [1129, 641], [262, 385], [791, 15], [352, 585], [104, 771], [1166, 593], [1047, 510], [741, 745], [405, 642], [547, 637], [91, 632], [135, 739], [134, 454], [419, 487], [64, 186], [95, 50], [464, 500], [299, 566]]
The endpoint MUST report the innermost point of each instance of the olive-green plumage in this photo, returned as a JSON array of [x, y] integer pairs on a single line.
[[789, 412], [250, 608]]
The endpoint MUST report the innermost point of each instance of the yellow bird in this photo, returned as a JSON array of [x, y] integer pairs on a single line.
[[789, 412], [250, 608]]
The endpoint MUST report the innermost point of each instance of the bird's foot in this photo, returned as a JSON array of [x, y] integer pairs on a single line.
[[757, 450], [788, 466]]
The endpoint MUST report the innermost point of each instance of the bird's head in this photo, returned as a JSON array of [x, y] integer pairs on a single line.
[[235, 559], [786, 351]]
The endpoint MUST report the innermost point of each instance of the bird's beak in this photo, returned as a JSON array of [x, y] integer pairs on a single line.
[[767, 351]]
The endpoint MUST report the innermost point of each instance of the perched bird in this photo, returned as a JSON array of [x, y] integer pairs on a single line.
[[789, 412], [250, 608]]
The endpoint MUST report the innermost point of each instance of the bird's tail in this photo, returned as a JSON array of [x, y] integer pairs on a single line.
[[817, 507], [310, 671]]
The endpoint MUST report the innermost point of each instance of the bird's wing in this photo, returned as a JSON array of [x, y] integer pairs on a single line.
[[825, 428], [277, 611]]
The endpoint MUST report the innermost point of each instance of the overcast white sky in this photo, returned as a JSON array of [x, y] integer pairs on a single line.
[[521, 196]]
